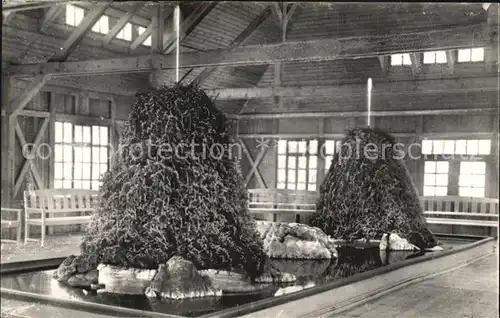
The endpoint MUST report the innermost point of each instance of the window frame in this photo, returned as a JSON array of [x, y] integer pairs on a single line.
[[297, 155]]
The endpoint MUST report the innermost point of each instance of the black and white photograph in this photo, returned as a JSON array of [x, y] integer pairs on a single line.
[[223, 159]]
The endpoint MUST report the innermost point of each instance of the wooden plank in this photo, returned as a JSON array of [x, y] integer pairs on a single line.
[[7, 17], [50, 16], [134, 45], [303, 51], [416, 63], [18, 6], [254, 164], [158, 22], [121, 22], [489, 84], [80, 31], [240, 40], [28, 94], [189, 24]]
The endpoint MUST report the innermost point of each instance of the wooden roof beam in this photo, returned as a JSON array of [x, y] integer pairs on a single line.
[[76, 37], [304, 51], [50, 16], [240, 40], [188, 25], [121, 22], [17, 6], [379, 89]]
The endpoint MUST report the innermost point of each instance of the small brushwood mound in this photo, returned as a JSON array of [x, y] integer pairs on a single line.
[[175, 188], [368, 193]]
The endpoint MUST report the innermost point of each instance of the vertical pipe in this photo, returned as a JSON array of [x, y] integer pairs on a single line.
[[177, 18], [369, 99]]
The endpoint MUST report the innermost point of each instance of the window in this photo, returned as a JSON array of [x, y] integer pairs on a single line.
[[146, 42], [330, 147], [456, 147], [436, 178], [471, 180], [126, 32], [437, 57], [101, 26], [471, 55], [74, 15], [297, 165], [81, 155], [400, 59]]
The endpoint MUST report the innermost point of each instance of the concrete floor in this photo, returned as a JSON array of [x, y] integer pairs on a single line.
[[467, 292]]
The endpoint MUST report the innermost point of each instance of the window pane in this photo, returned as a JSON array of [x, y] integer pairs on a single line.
[[95, 172], [68, 132], [396, 59], [58, 170], [438, 147], [478, 180], [282, 147], [464, 55], [58, 184], [86, 184], [78, 154], [464, 191], [104, 135], [440, 57], [406, 59], [429, 179], [302, 146], [477, 55], [329, 147], [291, 175], [313, 147], [70, 14], [429, 57], [484, 147], [430, 167], [95, 135], [103, 169], [291, 186], [477, 192], [303, 162], [78, 171], [77, 184], [68, 171], [441, 179], [281, 161], [86, 134], [449, 147], [301, 186], [426, 147], [95, 154], [147, 42], [429, 191], [86, 171], [86, 154], [311, 187], [280, 185], [301, 174], [68, 153], [441, 191], [58, 132], [442, 166], [78, 134], [95, 185], [292, 147], [292, 162], [480, 167], [312, 176], [78, 15], [472, 147], [313, 162], [328, 162], [464, 180], [67, 184], [466, 167], [460, 147], [281, 175], [58, 153]]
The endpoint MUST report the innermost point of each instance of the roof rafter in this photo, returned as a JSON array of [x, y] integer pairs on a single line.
[[121, 22]]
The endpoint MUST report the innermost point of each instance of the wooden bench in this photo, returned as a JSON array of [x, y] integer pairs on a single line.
[[295, 206], [57, 207], [15, 223]]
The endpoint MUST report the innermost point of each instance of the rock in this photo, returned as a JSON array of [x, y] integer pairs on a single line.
[[272, 274], [72, 265], [233, 283], [394, 242], [121, 280], [84, 280], [295, 241], [179, 279], [434, 249]]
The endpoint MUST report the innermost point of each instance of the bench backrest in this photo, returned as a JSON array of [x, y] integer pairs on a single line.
[[269, 198], [61, 199], [460, 204]]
